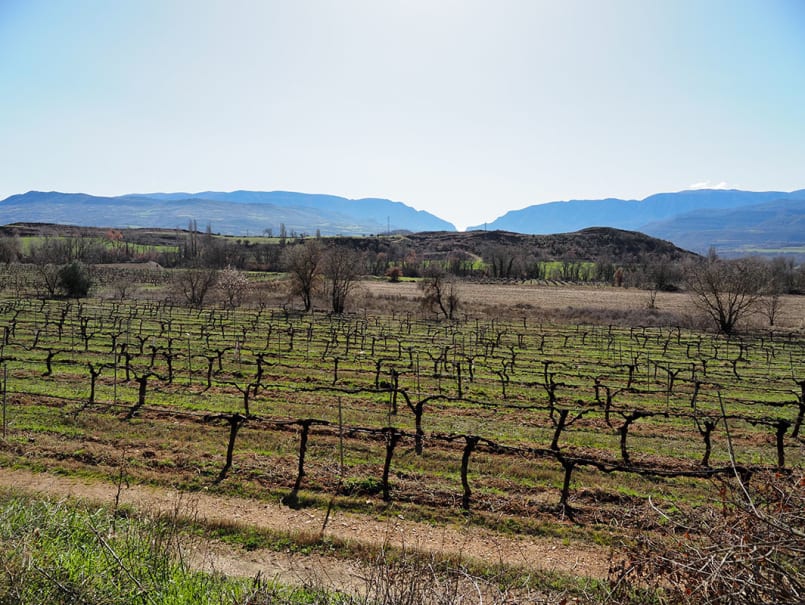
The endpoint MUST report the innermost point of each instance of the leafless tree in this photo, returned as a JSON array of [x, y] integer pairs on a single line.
[[10, 249], [770, 304], [778, 282], [48, 278], [195, 283], [726, 291], [303, 264], [54, 251], [48, 256], [123, 287], [341, 269], [504, 261], [440, 292]]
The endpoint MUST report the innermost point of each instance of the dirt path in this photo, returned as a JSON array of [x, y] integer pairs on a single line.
[[473, 543]]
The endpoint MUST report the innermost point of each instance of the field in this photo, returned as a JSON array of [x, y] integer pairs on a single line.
[[532, 439]]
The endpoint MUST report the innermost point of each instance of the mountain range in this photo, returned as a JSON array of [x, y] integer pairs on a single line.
[[735, 222], [235, 212]]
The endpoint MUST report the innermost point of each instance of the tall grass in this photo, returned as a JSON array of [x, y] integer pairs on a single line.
[[57, 552]]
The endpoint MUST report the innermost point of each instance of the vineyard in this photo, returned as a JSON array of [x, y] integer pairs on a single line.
[[513, 418]]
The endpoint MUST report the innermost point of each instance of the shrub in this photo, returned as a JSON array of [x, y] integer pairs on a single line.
[[394, 274], [75, 280]]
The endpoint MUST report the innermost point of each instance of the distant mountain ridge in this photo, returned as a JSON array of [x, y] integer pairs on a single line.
[[555, 217], [734, 221], [236, 212], [771, 227]]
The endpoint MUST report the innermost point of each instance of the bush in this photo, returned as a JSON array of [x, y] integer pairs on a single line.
[[75, 280], [394, 274]]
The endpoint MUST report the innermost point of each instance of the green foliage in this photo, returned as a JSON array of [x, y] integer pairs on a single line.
[[362, 486], [75, 280]]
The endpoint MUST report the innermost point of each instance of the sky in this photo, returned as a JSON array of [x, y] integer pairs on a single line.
[[464, 108]]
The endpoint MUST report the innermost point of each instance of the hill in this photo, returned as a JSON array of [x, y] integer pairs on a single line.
[[235, 213], [592, 244]]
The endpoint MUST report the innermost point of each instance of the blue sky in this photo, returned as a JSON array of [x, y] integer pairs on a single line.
[[466, 109]]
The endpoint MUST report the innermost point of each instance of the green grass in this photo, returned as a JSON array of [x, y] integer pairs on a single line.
[[61, 552], [64, 552]]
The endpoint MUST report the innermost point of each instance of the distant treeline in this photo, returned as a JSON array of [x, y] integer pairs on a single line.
[[620, 258]]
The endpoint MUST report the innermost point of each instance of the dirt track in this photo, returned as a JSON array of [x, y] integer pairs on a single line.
[[472, 543]]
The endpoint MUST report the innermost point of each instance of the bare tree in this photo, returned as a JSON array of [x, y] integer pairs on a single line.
[[195, 283], [48, 278], [726, 291], [191, 248], [504, 261], [661, 274], [303, 264], [779, 281], [48, 256], [770, 304], [10, 249], [440, 291], [52, 250], [341, 268]]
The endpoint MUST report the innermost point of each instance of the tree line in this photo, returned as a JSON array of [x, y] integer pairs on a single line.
[[726, 291]]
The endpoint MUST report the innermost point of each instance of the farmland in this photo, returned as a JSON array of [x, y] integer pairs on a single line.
[[516, 423]]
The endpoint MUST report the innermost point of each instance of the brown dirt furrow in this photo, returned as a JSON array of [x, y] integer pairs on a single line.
[[545, 554]]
